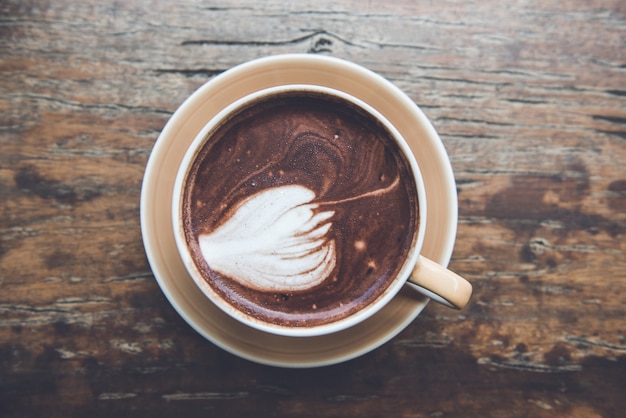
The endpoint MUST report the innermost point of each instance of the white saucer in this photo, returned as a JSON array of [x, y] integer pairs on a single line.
[[190, 118]]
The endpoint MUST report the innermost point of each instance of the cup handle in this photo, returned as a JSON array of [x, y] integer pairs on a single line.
[[440, 284]]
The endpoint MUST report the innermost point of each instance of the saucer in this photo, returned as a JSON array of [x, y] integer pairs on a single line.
[[156, 197]]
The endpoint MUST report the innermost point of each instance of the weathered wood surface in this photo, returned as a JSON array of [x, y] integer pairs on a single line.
[[530, 100]]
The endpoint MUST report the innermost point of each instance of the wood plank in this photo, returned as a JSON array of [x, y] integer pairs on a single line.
[[529, 99]]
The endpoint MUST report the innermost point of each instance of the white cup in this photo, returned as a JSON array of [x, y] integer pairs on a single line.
[[428, 277]]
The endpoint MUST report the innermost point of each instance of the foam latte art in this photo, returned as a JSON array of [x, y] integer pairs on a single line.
[[274, 241]]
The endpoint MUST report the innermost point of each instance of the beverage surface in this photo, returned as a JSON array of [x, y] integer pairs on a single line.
[[300, 210]]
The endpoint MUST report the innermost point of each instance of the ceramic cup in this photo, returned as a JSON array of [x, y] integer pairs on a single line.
[[293, 277]]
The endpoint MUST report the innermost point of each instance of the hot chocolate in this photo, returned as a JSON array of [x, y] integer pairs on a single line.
[[300, 209]]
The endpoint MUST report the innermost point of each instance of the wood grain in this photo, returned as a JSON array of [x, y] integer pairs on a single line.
[[529, 98]]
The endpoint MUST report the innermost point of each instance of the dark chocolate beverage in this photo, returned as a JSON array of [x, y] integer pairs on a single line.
[[300, 209]]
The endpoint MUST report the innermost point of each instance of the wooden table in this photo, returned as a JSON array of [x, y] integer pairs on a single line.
[[529, 98]]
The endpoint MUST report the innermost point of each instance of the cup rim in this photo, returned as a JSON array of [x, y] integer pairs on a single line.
[[327, 328]]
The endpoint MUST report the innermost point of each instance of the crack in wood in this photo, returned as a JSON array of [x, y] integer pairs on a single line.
[[613, 119], [527, 101], [204, 396], [226, 9], [478, 121], [616, 92], [130, 277], [97, 106], [601, 344], [421, 343], [205, 72], [293, 41], [402, 46], [31, 309], [81, 301], [467, 81], [350, 398], [531, 367], [114, 396]]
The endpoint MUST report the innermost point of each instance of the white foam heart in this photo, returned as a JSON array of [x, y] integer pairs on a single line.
[[275, 240]]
